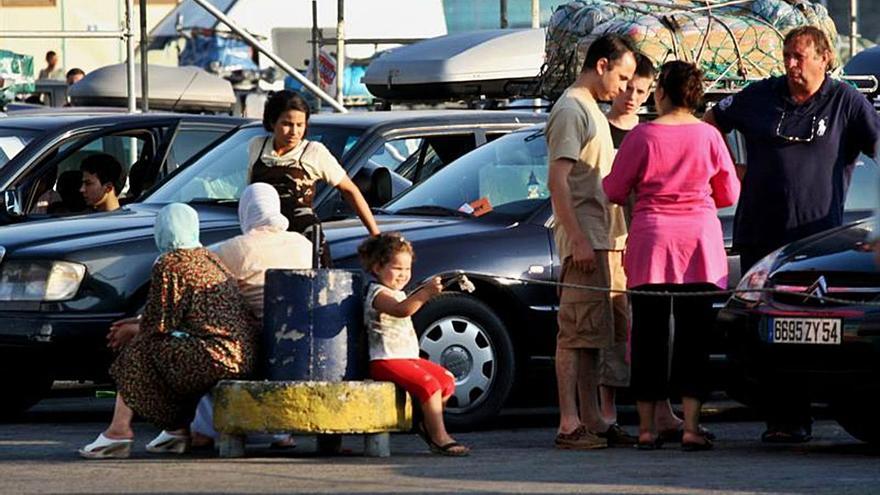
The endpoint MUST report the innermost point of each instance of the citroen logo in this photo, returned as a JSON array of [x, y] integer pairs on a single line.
[[818, 289]]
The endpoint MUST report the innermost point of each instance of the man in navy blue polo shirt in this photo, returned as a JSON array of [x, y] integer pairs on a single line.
[[803, 133]]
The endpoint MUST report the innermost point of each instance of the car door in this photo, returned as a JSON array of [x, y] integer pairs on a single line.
[[132, 143]]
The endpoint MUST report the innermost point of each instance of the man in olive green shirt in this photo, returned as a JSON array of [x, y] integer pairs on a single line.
[[590, 236]]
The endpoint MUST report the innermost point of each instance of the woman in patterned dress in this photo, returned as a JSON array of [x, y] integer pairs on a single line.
[[293, 165], [196, 329]]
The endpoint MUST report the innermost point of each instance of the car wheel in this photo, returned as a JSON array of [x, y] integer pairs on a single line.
[[464, 335], [22, 389], [859, 420]]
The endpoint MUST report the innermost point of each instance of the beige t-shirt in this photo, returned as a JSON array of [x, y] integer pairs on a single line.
[[248, 256], [312, 156], [389, 337], [577, 130]]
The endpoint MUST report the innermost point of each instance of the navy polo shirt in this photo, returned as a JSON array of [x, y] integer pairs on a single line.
[[799, 157]]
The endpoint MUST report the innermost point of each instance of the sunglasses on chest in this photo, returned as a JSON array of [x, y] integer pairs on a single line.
[[796, 139]]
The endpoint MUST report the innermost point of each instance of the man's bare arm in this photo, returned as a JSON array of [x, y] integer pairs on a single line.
[[563, 208]]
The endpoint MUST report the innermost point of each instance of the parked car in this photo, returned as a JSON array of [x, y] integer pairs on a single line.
[[37, 149], [63, 281], [832, 349]]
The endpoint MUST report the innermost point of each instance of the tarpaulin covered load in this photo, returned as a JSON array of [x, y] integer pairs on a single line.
[[733, 41], [16, 75]]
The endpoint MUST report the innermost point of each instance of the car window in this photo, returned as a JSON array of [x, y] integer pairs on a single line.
[[436, 152], [12, 141], [218, 175], [862, 193], [392, 153], [338, 140], [507, 176], [187, 143]]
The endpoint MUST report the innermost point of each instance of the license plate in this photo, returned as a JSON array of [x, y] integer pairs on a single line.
[[805, 331]]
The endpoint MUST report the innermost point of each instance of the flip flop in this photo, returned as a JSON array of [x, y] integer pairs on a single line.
[[782, 436], [673, 435], [655, 444], [706, 444], [447, 449], [106, 448]]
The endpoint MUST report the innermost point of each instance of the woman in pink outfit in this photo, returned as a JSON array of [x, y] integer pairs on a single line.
[[681, 172]]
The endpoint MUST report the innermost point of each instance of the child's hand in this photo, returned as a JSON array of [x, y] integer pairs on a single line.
[[434, 287]]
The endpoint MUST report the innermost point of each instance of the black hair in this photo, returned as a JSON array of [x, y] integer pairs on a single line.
[[378, 250], [610, 46], [74, 71], [280, 102], [51, 53], [683, 83], [645, 67], [106, 167]]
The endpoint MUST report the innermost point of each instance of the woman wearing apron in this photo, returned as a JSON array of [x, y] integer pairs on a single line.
[[293, 165]]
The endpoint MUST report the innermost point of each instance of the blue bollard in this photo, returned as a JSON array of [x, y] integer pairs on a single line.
[[313, 325]]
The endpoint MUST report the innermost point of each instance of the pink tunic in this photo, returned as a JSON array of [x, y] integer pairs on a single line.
[[680, 175]]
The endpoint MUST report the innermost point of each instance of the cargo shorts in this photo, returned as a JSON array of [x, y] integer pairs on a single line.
[[597, 320]]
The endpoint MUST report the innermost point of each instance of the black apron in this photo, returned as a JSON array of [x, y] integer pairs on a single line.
[[296, 188]]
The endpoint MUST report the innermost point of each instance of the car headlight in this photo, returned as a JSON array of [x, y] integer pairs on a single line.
[[756, 278], [40, 280]]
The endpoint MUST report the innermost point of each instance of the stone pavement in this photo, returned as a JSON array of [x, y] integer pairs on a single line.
[[39, 456]]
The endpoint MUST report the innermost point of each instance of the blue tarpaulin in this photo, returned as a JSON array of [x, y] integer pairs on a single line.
[[206, 48]]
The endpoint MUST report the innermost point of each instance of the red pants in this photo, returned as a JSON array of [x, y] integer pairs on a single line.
[[419, 377]]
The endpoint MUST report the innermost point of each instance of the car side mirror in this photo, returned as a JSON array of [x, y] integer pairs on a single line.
[[380, 191], [12, 204]]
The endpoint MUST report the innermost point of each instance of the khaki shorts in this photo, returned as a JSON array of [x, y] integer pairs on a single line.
[[590, 319]]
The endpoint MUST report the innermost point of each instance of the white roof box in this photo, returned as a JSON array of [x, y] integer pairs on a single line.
[[179, 89], [494, 63]]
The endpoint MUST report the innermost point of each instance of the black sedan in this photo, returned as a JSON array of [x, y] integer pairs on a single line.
[[831, 348], [63, 281]]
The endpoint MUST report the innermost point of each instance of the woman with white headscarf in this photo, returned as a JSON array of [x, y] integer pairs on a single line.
[[196, 329], [264, 243]]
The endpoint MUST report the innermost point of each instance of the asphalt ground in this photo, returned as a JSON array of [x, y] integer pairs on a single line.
[[513, 455]]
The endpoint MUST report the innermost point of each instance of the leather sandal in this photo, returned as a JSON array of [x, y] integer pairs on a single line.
[[107, 448]]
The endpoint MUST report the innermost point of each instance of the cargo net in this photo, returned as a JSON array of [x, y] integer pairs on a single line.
[[733, 42]]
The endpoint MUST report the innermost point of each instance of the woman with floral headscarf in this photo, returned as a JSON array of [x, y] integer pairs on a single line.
[[196, 329]]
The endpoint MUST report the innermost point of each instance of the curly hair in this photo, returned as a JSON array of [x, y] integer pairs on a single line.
[[683, 83], [378, 250]]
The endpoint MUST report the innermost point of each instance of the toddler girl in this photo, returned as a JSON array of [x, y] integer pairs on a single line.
[[394, 347]]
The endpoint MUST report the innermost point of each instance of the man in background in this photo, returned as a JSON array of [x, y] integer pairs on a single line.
[[52, 71]]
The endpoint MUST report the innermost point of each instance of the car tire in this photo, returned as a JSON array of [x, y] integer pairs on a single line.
[[22, 389], [859, 420], [464, 335]]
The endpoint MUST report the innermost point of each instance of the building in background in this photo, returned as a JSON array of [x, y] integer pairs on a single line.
[[76, 15]]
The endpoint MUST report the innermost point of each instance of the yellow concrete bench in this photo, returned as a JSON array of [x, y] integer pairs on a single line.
[[328, 409]]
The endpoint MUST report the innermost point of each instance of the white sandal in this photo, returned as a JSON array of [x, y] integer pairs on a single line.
[[169, 443], [107, 448]]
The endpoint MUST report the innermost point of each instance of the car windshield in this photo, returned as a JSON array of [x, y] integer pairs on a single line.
[[507, 176], [12, 141], [220, 175]]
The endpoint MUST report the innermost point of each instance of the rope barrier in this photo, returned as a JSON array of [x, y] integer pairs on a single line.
[[712, 293]]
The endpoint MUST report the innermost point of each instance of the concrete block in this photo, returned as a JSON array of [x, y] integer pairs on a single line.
[[349, 407]]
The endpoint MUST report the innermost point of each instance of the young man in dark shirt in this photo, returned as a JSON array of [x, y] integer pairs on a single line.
[[101, 182], [803, 133]]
